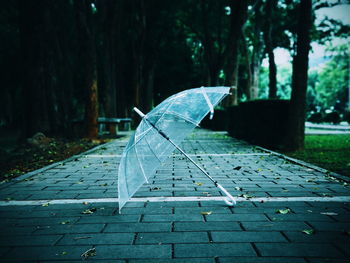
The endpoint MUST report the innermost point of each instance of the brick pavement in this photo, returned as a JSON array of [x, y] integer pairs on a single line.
[[178, 231]]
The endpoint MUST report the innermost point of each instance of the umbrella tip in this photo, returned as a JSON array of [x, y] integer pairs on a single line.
[[139, 112]]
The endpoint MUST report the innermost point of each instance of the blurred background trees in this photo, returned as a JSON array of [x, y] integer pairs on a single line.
[[70, 61]]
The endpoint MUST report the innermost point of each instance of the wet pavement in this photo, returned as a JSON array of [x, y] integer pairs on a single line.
[[286, 211]]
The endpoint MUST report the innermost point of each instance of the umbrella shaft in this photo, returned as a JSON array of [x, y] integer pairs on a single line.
[[192, 161]]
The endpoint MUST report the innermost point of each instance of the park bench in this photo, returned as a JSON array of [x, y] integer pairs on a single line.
[[111, 124]]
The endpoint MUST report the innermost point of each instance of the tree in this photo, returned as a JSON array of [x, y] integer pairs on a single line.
[[270, 8], [47, 78], [331, 88], [86, 34], [297, 111]]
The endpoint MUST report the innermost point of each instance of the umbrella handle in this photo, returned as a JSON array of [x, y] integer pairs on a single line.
[[229, 200]]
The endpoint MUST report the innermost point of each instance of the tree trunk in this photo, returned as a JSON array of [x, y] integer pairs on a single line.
[[248, 86], [270, 5], [35, 117], [257, 50], [238, 19], [296, 122], [88, 63], [149, 96], [209, 53], [107, 16]]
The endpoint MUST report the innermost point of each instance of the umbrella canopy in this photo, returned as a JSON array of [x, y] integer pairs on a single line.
[[158, 134]]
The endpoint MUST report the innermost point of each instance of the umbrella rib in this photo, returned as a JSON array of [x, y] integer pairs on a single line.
[[142, 135], [210, 105], [137, 157], [182, 117], [151, 147]]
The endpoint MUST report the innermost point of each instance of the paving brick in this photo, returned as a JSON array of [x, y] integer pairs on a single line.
[[236, 217], [81, 260], [109, 219], [145, 211], [173, 237], [21, 254], [174, 260], [300, 217], [29, 240], [275, 226], [262, 260], [329, 226], [247, 236], [14, 230], [133, 252], [327, 260], [206, 226], [298, 250], [318, 237], [198, 210], [172, 204], [97, 239], [62, 229], [138, 227], [173, 217], [39, 221], [213, 250]]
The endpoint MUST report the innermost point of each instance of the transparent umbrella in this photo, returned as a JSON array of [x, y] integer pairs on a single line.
[[159, 134]]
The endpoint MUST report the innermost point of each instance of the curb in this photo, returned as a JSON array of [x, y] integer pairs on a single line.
[[305, 164]]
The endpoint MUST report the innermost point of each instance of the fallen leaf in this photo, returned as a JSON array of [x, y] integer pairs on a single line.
[[199, 184], [247, 196], [329, 213], [239, 188], [89, 253], [155, 188], [65, 222], [46, 204], [85, 203], [207, 213], [104, 184], [89, 211], [283, 211], [64, 253], [308, 231]]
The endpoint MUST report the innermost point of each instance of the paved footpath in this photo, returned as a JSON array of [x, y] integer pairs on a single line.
[[286, 212]]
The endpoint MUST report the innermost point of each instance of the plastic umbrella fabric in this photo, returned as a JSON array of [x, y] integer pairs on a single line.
[[159, 134]]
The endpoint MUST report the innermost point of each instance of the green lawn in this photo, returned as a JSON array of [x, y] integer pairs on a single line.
[[331, 152]]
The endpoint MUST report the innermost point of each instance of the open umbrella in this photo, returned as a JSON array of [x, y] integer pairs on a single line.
[[159, 134]]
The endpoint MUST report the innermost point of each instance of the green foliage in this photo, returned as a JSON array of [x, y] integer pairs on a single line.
[[328, 151], [284, 74], [333, 79]]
